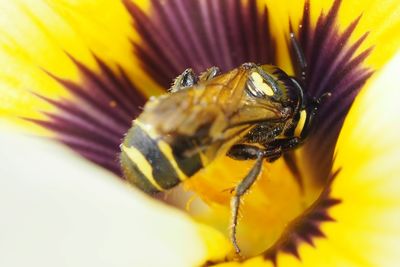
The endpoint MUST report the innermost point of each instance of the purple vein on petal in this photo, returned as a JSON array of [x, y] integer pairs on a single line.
[[99, 112], [333, 66], [306, 227], [178, 34]]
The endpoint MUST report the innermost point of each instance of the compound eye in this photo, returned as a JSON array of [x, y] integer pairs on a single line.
[[258, 86]]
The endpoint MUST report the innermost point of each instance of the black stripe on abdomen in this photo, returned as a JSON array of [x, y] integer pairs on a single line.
[[188, 165], [163, 172]]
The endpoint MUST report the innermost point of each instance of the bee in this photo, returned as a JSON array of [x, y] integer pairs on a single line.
[[253, 112]]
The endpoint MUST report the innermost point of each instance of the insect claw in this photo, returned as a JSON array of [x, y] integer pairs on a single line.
[[322, 98], [325, 95], [238, 256], [237, 250], [316, 102]]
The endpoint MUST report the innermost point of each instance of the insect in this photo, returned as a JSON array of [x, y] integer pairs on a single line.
[[254, 112]]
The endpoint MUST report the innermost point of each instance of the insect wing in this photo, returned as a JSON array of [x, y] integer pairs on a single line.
[[213, 110], [206, 106]]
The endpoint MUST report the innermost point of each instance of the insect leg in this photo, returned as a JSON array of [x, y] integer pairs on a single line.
[[186, 79], [285, 144], [301, 59], [209, 73], [240, 190], [243, 152]]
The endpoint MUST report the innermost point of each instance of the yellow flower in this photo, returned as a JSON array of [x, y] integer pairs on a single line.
[[79, 72]]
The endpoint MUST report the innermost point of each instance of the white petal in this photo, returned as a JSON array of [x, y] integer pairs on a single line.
[[60, 210]]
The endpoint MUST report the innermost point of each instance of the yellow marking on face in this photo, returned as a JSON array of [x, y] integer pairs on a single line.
[[142, 163], [167, 151], [300, 124], [261, 85]]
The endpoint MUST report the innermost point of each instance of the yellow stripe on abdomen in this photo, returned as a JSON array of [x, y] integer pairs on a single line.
[[167, 151], [143, 165], [165, 148]]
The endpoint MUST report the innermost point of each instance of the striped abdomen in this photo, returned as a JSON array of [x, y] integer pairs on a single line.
[[152, 164]]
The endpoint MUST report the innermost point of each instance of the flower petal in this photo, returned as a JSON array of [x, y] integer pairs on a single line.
[[368, 151], [365, 38], [100, 112], [333, 66], [379, 18], [58, 210], [35, 36], [365, 231], [177, 34]]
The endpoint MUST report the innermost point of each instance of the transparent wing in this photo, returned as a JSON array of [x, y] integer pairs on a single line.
[[211, 109]]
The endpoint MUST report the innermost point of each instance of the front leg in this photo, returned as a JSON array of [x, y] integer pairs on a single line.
[[209, 74], [187, 79], [285, 144]]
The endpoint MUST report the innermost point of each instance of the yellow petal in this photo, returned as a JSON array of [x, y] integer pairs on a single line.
[[273, 201], [379, 18], [37, 36], [368, 151], [59, 210]]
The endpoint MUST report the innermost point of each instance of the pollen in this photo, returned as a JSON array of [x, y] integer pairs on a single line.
[[112, 104]]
